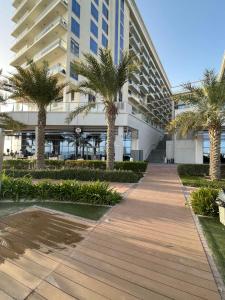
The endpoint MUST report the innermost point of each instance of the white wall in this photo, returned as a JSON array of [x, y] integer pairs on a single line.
[[185, 151]]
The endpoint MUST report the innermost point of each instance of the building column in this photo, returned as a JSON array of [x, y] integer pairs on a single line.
[[199, 149], [119, 145], [36, 138], [2, 141]]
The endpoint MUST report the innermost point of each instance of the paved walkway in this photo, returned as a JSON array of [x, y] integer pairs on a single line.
[[145, 248]]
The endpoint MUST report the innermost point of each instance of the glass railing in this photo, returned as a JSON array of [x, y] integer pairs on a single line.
[[58, 43], [57, 107]]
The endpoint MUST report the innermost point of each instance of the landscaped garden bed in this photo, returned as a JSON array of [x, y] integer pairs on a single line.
[[96, 193]]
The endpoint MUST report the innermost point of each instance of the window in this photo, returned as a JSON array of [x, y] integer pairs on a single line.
[[94, 12], [76, 8], [73, 74], [121, 43], [105, 11], [104, 26], [74, 47], [94, 29], [107, 2], [75, 27], [93, 46], [104, 41], [96, 1]]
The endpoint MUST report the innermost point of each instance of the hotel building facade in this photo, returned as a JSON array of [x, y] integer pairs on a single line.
[[59, 32]]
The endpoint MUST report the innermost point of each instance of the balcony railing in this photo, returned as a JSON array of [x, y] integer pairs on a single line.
[[58, 43]]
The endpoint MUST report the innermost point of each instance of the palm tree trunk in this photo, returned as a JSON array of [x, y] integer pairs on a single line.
[[111, 120], [215, 138], [41, 138]]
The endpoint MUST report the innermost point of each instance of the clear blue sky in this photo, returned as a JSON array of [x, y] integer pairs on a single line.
[[189, 35]]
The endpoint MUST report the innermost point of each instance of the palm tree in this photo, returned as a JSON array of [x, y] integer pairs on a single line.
[[36, 85], [208, 102], [104, 79]]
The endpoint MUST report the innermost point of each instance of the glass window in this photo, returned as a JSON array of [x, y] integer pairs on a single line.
[[94, 29], [91, 98], [94, 12], [96, 1], [104, 41], [93, 46], [76, 8], [104, 26], [75, 27], [107, 2], [121, 43], [73, 74], [105, 11], [74, 47]]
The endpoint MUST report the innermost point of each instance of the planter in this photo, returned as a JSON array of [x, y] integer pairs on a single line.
[[222, 214]]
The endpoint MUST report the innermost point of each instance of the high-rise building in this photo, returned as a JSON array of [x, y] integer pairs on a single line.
[[59, 32]]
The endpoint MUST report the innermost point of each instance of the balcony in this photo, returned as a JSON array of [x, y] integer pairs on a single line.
[[134, 43], [135, 77], [16, 3], [58, 70], [38, 13], [56, 29], [145, 69], [134, 87], [144, 88], [144, 58], [22, 8], [144, 78]]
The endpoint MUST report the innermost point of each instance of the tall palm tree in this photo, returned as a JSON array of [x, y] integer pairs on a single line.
[[36, 85], [208, 102], [104, 79]]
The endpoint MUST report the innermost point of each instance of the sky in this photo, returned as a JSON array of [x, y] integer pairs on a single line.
[[189, 35]]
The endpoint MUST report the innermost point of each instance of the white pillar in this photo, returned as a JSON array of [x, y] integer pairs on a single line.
[[2, 141], [119, 145], [36, 138], [199, 149]]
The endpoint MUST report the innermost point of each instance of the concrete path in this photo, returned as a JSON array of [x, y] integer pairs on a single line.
[[145, 248]]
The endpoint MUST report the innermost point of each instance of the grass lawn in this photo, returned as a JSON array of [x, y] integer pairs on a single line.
[[197, 181], [81, 210], [215, 235]]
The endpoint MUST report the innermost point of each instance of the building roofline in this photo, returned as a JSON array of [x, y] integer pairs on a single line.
[[135, 10], [222, 68]]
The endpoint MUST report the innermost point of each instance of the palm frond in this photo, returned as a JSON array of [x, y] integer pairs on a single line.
[[186, 122], [81, 109], [8, 123]]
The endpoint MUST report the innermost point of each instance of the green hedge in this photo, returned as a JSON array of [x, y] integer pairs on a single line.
[[92, 193], [78, 174], [203, 201], [136, 166], [197, 169]]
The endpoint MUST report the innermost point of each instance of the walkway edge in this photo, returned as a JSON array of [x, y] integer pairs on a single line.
[[216, 274]]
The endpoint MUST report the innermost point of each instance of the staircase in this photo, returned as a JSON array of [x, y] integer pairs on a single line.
[[159, 153]]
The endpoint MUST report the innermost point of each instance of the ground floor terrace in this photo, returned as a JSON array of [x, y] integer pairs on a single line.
[[146, 247]]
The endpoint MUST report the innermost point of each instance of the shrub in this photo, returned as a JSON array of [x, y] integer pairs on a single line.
[[78, 174], [196, 170], [24, 164], [136, 166], [203, 201], [92, 193]]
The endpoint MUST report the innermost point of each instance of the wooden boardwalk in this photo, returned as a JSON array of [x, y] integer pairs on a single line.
[[145, 248]]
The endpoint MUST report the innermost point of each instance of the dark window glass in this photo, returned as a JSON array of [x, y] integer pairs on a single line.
[[105, 11], [94, 29], [73, 74], [94, 12], [107, 2], [96, 1], [104, 41], [91, 98], [104, 26], [75, 27], [76, 8], [93, 46], [74, 47]]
